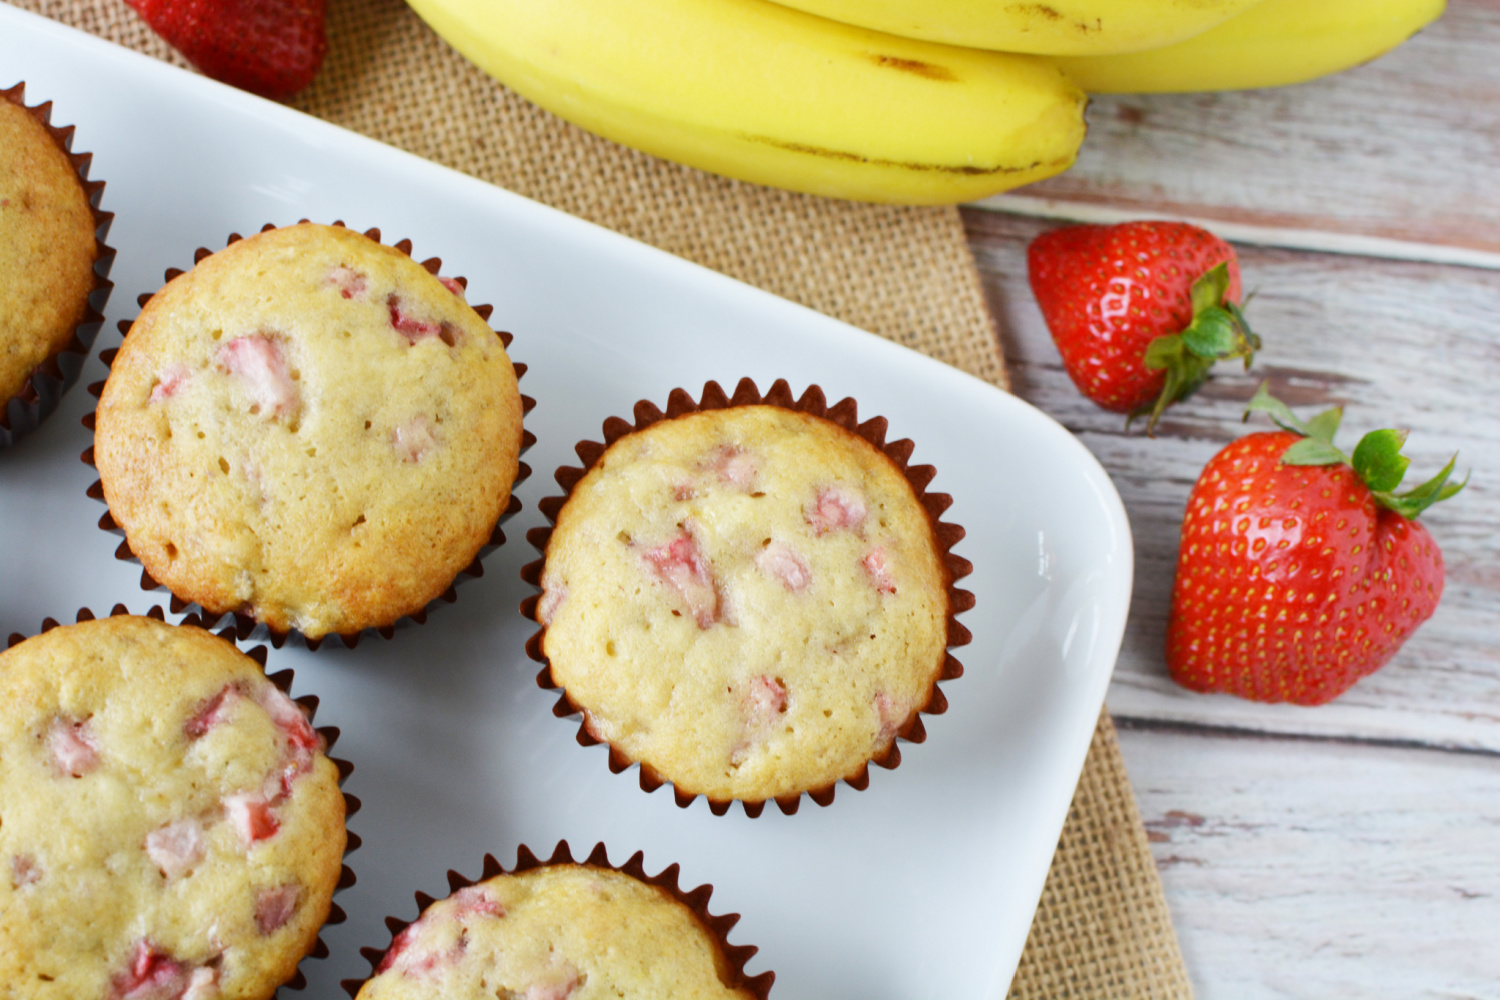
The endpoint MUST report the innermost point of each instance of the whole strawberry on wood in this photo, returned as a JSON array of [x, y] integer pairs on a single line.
[[269, 47], [1301, 569], [1140, 311]]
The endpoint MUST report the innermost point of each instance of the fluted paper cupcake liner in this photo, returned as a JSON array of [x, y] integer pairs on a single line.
[[330, 734], [696, 900], [246, 626], [812, 402], [48, 381]]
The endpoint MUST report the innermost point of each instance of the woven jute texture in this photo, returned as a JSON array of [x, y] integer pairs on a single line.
[[1102, 929]]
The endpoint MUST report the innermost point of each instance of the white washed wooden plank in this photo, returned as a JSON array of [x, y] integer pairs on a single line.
[[1403, 344], [1403, 148], [1298, 869], [1317, 240]]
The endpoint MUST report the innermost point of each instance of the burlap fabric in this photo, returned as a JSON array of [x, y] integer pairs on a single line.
[[1102, 929]]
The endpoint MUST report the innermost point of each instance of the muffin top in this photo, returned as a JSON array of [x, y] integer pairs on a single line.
[[171, 823], [311, 429], [750, 601], [561, 932], [47, 247]]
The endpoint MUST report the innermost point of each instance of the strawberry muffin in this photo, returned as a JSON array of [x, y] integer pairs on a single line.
[[310, 430], [171, 826], [750, 601], [48, 249], [564, 931]]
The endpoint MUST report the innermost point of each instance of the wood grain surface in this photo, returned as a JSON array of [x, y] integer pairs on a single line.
[[1406, 147], [1324, 870], [1350, 850]]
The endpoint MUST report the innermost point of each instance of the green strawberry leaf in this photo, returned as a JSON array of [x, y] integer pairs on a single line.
[[1279, 412], [1311, 451], [1419, 498], [1449, 489], [1213, 334], [1163, 352], [1325, 425], [1319, 428], [1378, 460], [1209, 290]]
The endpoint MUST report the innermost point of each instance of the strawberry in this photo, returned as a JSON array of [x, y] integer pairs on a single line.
[[1301, 569], [1140, 311], [268, 47]]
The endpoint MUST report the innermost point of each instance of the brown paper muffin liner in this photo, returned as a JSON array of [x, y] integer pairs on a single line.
[[696, 900], [48, 381], [283, 680], [246, 626], [813, 403]]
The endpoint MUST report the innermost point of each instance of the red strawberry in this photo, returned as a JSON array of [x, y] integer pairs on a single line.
[[268, 47], [1301, 570], [1140, 311]]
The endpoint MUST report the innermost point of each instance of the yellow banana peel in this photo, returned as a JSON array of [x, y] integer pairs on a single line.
[[760, 92], [1275, 43], [1049, 27]]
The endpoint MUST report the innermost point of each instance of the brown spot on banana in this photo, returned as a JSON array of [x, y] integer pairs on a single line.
[[923, 69], [965, 170], [1037, 10], [1043, 12]]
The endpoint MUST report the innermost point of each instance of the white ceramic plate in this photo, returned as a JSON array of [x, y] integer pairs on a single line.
[[924, 885]]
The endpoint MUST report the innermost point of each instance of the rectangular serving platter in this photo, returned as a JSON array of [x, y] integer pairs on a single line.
[[922, 886]]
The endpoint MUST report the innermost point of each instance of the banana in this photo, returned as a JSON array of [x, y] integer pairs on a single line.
[[1049, 27], [759, 92], [1276, 43]]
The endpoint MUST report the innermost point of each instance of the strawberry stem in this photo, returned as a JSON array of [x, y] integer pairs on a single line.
[[1218, 331], [1377, 459]]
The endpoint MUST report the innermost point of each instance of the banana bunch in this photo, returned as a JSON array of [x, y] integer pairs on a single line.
[[757, 91], [906, 101]]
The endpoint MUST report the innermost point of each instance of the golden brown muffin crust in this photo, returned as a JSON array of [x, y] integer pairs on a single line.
[[310, 428], [47, 247], [750, 601], [561, 932]]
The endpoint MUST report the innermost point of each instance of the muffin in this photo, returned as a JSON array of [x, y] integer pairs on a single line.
[[48, 252], [752, 599], [562, 929], [310, 430], [172, 826]]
